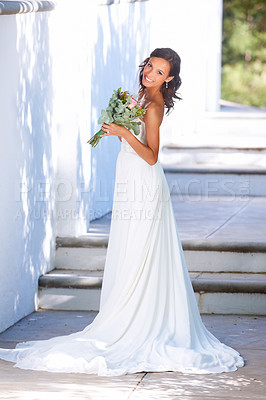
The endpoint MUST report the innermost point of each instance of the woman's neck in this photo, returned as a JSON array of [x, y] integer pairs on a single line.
[[150, 95]]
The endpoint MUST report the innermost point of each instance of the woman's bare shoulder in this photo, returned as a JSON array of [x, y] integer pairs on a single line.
[[155, 110]]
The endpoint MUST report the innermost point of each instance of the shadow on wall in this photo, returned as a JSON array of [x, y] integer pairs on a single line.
[[29, 246], [122, 43]]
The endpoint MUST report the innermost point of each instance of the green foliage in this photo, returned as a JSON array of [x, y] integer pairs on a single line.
[[244, 52], [123, 110], [106, 116]]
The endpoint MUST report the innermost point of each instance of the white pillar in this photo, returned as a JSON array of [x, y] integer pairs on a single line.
[[214, 55], [193, 29], [73, 30]]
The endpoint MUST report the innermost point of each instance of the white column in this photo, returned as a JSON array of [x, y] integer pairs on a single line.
[[213, 55], [73, 32], [193, 29]]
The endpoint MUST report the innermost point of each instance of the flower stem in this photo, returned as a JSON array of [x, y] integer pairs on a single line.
[[96, 138]]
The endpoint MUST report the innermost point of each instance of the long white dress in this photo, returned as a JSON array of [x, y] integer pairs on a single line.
[[148, 319]]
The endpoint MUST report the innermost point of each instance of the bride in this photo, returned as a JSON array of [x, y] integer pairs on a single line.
[[149, 318]]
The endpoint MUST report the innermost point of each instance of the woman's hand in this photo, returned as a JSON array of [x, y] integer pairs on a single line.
[[115, 130]]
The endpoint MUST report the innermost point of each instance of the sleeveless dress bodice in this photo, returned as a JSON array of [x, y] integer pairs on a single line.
[[125, 146]]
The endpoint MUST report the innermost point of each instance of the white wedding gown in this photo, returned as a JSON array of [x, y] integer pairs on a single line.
[[148, 319]]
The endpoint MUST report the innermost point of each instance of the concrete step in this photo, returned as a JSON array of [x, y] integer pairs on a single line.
[[88, 253], [70, 290], [232, 128], [218, 181], [214, 157], [223, 293], [245, 130]]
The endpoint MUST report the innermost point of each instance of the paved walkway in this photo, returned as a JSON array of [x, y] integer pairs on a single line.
[[212, 218], [247, 334], [198, 218]]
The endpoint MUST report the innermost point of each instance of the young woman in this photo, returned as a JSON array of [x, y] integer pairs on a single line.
[[148, 319]]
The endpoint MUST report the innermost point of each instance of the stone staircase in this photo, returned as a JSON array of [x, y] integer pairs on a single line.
[[215, 176], [227, 157], [228, 277]]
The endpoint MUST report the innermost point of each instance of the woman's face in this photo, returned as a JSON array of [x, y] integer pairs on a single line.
[[156, 72]]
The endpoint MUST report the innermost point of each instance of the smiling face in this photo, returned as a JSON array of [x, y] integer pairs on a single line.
[[156, 72]]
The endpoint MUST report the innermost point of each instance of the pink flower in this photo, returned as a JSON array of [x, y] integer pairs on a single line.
[[133, 103]]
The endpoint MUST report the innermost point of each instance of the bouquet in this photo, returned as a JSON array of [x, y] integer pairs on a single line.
[[123, 110]]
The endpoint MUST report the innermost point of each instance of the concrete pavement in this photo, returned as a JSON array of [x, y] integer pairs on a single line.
[[247, 334], [219, 218]]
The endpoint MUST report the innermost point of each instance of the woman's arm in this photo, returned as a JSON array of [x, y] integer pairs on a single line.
[[153, 119]]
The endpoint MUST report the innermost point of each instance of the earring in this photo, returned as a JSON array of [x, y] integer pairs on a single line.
[[166, 85]]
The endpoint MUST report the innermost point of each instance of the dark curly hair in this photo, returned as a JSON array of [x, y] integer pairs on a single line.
[[169, 95]]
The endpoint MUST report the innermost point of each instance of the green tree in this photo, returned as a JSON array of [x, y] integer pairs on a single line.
[[244, 52]]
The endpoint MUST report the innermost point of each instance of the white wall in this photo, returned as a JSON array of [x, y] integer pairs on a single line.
[[27, 228], [96, 49], [57, 70], [122, 43]]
